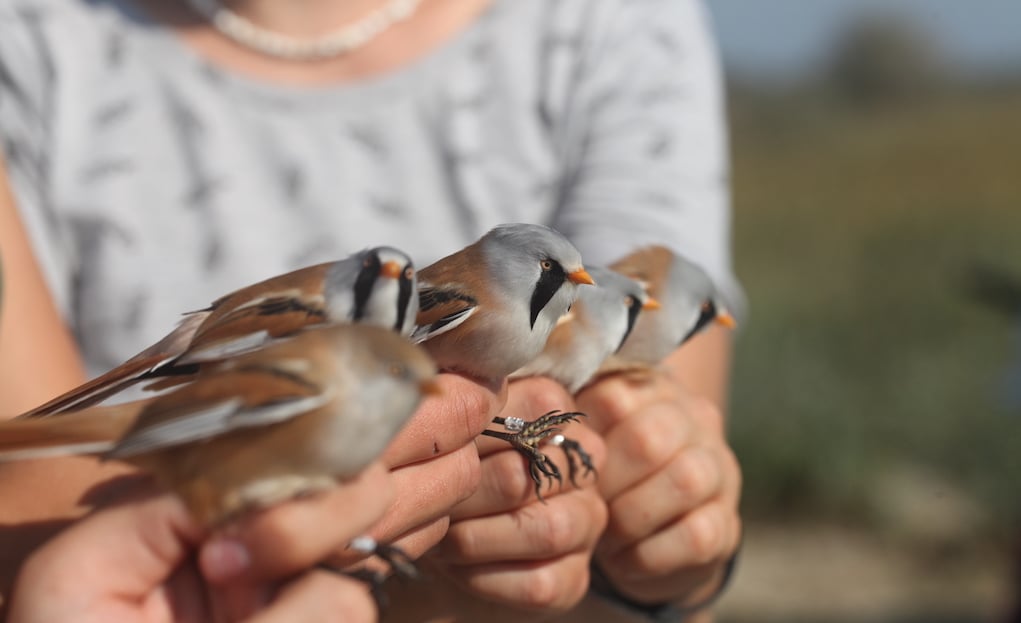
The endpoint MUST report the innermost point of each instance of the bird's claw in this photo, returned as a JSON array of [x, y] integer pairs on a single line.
[[575, 455], [526, 439], [400, 563]]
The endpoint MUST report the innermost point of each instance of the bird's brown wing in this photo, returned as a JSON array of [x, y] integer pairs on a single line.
[[448, 293], [254, 315], [126, 374], [216, 403], [240, 321]]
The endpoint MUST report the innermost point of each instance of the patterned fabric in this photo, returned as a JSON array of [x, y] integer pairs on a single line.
[[152, 181]]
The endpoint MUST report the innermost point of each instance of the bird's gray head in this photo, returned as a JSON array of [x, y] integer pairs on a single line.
[[615, 303], [375, 286], [694, 297], [537, 264]]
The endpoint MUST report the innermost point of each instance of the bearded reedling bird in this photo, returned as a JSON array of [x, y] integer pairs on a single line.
[[375, 286], [288, 419], [489, 308], [689, 302], [594, 329]]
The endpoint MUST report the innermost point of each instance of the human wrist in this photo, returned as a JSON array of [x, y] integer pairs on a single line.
[[665, 611]]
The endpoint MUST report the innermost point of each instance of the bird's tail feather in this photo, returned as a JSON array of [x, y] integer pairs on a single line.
[[90, 431]]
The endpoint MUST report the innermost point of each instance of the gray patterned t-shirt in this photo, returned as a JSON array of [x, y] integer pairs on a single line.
[[152, 181]]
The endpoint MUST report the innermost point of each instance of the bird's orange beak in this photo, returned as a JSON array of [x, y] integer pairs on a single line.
[[390, 269], [726, 320], [430, 387], [581, 276], [651, 303]]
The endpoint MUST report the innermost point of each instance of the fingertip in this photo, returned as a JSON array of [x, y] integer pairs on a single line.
[[537, 395], [222, 559], [608, 402]]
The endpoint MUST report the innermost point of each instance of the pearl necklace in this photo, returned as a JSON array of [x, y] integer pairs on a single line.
[[343, 41]]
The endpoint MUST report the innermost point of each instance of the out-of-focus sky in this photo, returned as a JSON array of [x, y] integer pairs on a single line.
[[785, 39]]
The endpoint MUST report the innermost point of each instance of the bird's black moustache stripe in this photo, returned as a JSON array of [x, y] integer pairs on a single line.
[[403, 297], [632, 317], [363, 284], [549, 282], [705, 316]]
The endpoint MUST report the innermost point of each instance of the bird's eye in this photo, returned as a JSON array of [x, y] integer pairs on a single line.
[[366, 262], [629, 301], [409, 272], [546, 264], [707, 307]]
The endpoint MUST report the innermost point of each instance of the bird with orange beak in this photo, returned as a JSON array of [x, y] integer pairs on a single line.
[[375, 286], [489, 309]]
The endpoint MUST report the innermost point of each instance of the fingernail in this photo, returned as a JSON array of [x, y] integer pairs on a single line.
[[223, 559]]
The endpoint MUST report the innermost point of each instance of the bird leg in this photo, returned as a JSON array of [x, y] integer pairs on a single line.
[[575, 454], [398, 560], [525, 437], [400, 563]]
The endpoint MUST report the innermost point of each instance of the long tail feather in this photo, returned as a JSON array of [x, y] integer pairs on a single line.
[[123, 376], [91, 431]]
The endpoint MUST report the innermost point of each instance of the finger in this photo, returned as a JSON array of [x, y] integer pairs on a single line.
[[187, 594], [416, 542], [643, 444], [320, 596], [447, 421], [531, 397], [614, 399], [566, 523], [527, 399], [692, 478], [554, 585], [429, 490], [689, 585], [295, 535], [506, 484], [707, 535]]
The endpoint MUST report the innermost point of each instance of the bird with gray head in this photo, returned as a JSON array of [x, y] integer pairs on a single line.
[[595, 328], [689, 302], [376, 286], [489, 308]]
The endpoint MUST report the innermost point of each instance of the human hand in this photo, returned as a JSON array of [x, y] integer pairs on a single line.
[[133, 562], [671, 485], [510, 554], [435, 463]]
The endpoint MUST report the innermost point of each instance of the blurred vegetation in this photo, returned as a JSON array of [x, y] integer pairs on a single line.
[[869, 386]]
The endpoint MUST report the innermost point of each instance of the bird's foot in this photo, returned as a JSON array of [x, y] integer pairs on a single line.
[[526, 437], [576, 456], [396, 558], [400, 563]]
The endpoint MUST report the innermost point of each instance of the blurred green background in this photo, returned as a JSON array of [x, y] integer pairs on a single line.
[[877, 393]]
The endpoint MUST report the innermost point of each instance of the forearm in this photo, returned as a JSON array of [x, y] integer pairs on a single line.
[[38, 357]]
